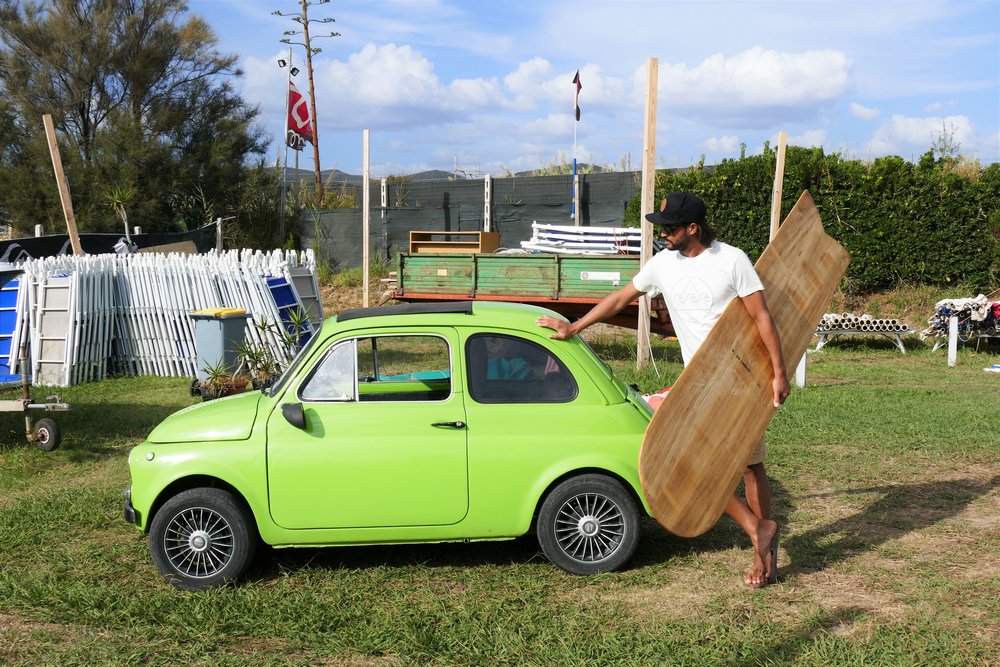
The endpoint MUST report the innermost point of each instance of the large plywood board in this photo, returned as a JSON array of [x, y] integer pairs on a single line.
[[702, 435]]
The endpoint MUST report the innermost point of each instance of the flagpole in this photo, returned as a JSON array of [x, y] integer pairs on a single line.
[[284, 165], [576, 188], [574, 209]]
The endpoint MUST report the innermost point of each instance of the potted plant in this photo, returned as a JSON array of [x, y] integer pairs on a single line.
[[220, 381]]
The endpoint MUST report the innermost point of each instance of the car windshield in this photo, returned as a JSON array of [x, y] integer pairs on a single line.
[[293, 367]]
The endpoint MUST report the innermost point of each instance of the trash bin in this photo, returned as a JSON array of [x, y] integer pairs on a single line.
[[218, 335]]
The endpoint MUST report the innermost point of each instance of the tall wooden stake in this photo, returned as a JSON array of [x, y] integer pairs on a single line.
[[648, 188], [64, 197], [365, 217], [779, 177]]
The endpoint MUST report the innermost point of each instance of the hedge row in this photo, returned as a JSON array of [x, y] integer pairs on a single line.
[[932, 222]]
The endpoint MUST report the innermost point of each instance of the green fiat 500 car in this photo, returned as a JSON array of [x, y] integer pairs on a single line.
[[441, 422]]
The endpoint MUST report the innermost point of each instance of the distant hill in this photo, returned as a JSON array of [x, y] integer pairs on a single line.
[[338, 177]]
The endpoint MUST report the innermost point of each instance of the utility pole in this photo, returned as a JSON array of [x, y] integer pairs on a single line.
[[302, 18]]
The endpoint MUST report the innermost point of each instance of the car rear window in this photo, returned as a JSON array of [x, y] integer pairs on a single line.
[[508, 369]]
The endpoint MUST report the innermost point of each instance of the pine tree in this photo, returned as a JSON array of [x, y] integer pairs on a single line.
[[141, 99]]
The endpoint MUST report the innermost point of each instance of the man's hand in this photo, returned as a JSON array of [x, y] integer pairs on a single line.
[[561, 327], [608, 306], [781, 390]]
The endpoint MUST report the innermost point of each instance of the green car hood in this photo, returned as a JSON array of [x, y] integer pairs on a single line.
[[229, 418]]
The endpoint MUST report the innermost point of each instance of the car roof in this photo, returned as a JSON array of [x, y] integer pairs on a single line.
[[489, 314]]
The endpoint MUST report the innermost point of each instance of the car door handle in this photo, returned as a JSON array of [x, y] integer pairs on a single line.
[[450, 424]]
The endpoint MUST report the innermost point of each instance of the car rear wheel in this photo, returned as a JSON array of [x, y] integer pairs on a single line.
[[202, 538], [589, 524]]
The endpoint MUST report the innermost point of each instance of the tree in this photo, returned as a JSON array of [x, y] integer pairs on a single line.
[[141, 100]]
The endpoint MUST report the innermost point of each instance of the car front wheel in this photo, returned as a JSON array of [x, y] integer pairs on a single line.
[[589, 524], [202, 538]]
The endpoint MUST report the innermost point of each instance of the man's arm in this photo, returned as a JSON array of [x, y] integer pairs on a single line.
[[607, 307], [757, 307]]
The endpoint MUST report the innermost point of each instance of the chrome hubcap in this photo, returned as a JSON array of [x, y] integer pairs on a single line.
[[198, 542], [589, 527]]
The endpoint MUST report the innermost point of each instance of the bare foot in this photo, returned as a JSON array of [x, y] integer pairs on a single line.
[[763, 572]]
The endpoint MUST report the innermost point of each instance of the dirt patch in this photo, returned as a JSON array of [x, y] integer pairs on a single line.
[[849, 604], [336, 297], [855, 559], [21, 637]]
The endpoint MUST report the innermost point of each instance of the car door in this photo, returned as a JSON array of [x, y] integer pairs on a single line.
[[529, 417], [383, 442]]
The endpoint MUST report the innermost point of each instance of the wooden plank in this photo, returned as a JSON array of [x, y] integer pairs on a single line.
[[62, 184], [643, 346], [779, 177], [702, 435], [365, 218]]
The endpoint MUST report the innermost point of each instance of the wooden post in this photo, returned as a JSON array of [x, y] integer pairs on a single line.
[[64, 196], [779, 177], [488, 204], [365, 217], [383, 199], [646, 198]]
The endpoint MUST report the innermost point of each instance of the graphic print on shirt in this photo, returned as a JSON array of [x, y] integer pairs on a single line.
[[692, 294]]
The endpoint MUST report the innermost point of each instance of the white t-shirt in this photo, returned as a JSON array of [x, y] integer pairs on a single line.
[[697, 289]]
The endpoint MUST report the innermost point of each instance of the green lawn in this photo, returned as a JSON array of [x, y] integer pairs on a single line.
[[886, 474]]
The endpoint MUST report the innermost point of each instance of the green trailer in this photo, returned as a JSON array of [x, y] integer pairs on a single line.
[[567, 284]]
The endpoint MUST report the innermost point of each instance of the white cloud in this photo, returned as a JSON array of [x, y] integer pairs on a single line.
[[807, 139], [863, 112], [389, 87], [938, 107], [725, 144], [527, 82], [757, 87], [903, 135]]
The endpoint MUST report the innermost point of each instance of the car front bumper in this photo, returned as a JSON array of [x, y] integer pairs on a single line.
[[129, 511]]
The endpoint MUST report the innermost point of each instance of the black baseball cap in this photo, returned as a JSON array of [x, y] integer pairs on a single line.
[[679, 208]]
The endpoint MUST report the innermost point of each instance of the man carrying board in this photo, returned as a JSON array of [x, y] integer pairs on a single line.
[[697, 276]]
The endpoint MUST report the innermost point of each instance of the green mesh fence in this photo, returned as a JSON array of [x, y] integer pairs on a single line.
[[461, 205]]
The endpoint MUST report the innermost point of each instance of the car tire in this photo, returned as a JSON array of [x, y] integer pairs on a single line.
[[202, 538], [589, 524]]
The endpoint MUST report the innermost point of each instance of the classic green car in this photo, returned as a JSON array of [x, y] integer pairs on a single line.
[[434, 422]]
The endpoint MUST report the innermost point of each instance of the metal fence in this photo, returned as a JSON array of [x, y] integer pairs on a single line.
[[506, 205]]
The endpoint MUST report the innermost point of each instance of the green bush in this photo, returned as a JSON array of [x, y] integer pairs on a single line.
[[936, 222]]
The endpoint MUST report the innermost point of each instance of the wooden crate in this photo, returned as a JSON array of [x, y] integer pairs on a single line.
[[436, 242]]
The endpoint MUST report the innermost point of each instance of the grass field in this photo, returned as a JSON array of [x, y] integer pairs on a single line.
[[886, 475]]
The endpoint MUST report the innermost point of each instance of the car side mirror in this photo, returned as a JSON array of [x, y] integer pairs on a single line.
[[294, 415]]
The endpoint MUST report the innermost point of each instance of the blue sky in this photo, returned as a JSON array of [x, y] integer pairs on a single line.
[[487, 86]]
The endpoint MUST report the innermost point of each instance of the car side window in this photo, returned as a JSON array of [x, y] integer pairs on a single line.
[[382, 368], [507, 369], [404, 368], [333, 378]]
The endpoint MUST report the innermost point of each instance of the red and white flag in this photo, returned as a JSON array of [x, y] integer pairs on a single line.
[[299, 124], [576, 97]]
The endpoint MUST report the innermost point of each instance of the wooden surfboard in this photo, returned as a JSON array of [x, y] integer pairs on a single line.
[[700, 438]]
